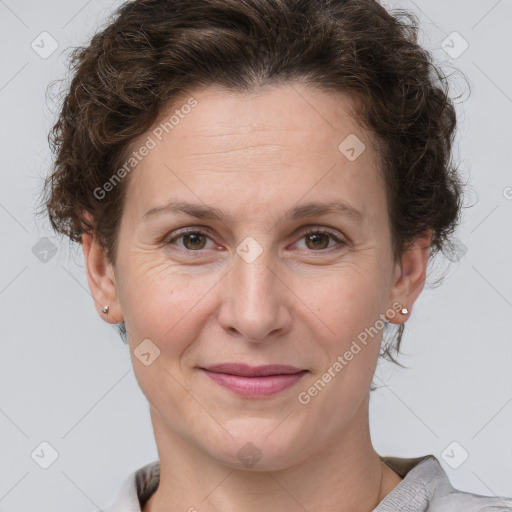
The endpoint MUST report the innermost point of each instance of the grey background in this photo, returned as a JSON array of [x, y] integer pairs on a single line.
[[66, 377]]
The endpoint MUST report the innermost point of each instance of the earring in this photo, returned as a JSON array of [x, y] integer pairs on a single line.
[[105, 309], [404, 311]]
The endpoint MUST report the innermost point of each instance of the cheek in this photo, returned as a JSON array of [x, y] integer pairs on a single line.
[[349, 306], [161, 304], [351, 297]]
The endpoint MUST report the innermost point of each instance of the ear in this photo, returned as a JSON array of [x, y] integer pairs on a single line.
[[410, 276], [101, 277]]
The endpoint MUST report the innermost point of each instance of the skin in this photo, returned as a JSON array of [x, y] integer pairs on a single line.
[[256, 156]]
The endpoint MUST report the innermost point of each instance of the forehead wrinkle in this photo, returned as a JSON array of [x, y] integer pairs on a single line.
[[244, 148]]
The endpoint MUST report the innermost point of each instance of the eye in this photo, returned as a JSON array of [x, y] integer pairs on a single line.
[[193, 240], [317, 239]]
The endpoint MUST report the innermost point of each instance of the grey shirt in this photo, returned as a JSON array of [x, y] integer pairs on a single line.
[[425, 488]]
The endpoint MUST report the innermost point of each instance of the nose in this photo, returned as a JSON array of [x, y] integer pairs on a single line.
[[256, 301]]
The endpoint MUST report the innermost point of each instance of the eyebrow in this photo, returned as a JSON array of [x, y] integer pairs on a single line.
[[201, 211]]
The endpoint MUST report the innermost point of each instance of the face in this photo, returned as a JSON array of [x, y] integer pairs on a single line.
[[251, 273]]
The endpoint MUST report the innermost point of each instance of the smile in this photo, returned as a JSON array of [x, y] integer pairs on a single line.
[[260, 381]]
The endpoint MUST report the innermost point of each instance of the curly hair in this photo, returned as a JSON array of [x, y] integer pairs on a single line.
[[153, 51]]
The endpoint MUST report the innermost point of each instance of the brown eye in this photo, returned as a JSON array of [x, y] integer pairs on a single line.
[[317, 241], [194, 241], [190, 240]]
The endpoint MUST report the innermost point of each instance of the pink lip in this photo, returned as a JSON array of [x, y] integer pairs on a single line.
[[254, 381]]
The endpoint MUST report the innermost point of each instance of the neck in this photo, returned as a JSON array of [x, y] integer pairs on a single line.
[[346, 475]]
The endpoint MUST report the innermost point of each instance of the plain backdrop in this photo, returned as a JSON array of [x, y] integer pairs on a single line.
[[65, 376]]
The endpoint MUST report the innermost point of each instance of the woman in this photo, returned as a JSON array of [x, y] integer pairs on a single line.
[[203, 151]]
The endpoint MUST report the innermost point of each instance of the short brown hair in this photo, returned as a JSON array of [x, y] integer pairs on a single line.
[[152, 51]]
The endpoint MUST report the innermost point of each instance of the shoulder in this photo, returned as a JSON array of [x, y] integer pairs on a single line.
[[426, 488], [136, 489]]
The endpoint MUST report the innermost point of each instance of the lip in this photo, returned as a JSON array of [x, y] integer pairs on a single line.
[[254, 381], [245, 370]]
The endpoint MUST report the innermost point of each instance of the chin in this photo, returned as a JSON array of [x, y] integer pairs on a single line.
[[260, 447]]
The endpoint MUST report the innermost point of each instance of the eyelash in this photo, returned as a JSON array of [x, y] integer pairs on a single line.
[[324, 231]]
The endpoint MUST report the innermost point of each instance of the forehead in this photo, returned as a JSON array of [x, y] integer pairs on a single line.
[[271, 146], [288, 113]]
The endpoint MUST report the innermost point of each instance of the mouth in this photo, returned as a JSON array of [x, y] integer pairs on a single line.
[[254, 381]]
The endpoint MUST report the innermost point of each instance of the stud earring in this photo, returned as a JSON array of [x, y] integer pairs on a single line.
[[404, 311], [105, 309]]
